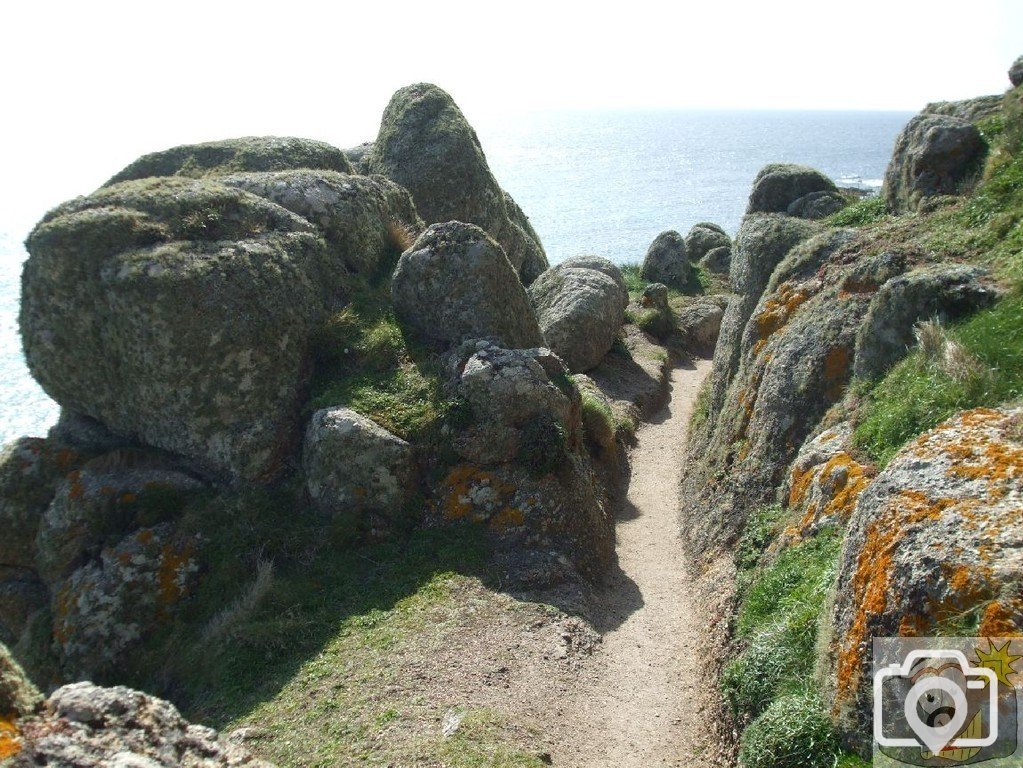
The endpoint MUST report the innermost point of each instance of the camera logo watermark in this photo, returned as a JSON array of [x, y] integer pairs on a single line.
[[946, 701]]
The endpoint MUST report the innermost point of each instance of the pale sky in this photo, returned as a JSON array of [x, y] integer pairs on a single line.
[[89, 86]]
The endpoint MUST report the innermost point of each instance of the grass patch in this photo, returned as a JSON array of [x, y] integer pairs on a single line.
[[920, 392], [699, 281], [794, 732], [701, 407], [758, 533], [860, 213], [598, 420], [778, 621]]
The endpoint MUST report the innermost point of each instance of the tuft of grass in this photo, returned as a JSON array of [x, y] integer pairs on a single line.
[[779, 617], [701, 407], [794, 732], [544, 446], [598, 420], [760, 530], [978, 362], [860, 213]]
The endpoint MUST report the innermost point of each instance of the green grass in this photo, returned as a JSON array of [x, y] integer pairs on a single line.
[[860, 213], [760, 529], [794, 732], [778, 619], [701, 407], [699, 281], [917, 395]]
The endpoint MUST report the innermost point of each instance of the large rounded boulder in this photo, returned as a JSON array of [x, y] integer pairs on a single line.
[[580, 304], [1016, 73], [456, 283], [178, 312], [933, 541], [779, 185], [667, 261], [933, 155], [427, 146], [249, 153]]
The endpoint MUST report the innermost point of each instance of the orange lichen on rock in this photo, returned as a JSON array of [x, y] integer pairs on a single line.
[[509, 517], [170, 575], [836, 372], [1002, 619], [10, 741], [842, 479], [871, 580], [463, 483], [777, 311]]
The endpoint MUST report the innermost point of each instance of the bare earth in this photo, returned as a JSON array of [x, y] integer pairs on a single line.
[[641, 701]]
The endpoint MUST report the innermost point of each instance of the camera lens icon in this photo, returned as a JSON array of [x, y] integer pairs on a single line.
[[936, 707]]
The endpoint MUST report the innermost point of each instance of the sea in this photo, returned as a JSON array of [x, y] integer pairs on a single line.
[[603, 183]]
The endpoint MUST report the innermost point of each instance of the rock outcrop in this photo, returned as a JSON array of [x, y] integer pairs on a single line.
[[971, 110], [943, 292], [934, 155], [699, 323], [355, 469], [666, 261], [222, 384], [703, 238], [1016, 72], [936, 534], [251, 153], [580, 305], [718, 260], [779, 185], [816, 205], [88, 726], [455, 283], [427, 146]]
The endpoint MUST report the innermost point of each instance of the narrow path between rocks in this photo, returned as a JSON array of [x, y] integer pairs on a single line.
[[641, 701]]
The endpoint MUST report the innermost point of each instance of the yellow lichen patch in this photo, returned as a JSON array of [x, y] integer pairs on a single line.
[[836, 372], [777, 311], [799, 483], [509, 517], [10, 741], [871, 581], [1002, 619], [170, 575], [842, 477]]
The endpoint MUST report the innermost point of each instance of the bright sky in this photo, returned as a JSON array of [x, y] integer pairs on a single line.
[[89, 86]]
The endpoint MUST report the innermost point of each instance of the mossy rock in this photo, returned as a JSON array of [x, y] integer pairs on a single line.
[[249, 153]]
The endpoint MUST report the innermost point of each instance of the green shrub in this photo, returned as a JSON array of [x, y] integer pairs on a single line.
[[917, 394], [756, 535], [860, 213], [793, 732]]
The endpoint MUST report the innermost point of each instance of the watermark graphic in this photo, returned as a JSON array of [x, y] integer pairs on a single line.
[[947, 701]]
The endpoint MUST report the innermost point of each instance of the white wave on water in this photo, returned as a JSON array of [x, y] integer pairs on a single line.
[[858, 182]]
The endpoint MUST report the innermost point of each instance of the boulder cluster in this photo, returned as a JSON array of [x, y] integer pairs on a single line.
[[189, 317]]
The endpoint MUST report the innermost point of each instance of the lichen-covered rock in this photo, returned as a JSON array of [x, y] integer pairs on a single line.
[[816, 205], [666, 261], [365, 221], [699, 323], [509, 392], [564, 511], [1016, 72], [702, 239], [933, 155], [100, 502], [972, 110], [356, 469], [113, 601], [794, 360], [222, 383], [762, 242], [358, 155], [30, 470], [456, 283], [580, 305], [935, 538], [250, 153], [427, 146], [779, 185], [823, 485], [946, 292], [718, 260], [85, 726]]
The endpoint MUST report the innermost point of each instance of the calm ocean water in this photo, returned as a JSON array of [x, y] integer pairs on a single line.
[[604, 183]]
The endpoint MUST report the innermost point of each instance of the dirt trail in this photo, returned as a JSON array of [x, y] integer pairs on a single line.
[[641, 702]]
